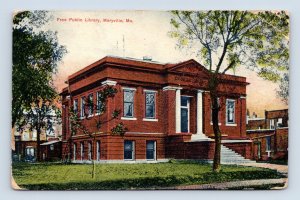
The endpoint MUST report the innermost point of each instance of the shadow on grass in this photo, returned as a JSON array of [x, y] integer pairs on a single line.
[[155, 182]]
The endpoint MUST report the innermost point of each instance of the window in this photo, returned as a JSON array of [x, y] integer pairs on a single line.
[[268, 143], [151, 150], [150, 105], [30, 151], [90, 104], [74, 151], [81, 150], [75, 106], [128, 150], [272, 124], [230, 111], [82, 107], [279, 122], [90, 151], [99, 103], [25, 136], [98, 150], [128, 102], [185, 114], [34, 133]]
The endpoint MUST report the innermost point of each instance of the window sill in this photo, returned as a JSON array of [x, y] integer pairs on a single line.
[[231, 124], [128, 118], [218, 123], [150, 120]]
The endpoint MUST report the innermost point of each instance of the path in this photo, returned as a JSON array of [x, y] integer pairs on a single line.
[[283, 169], [249, 184]]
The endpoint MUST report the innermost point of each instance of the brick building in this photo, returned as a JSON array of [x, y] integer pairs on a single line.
[[26, 144], [166, 108], [269, 135]]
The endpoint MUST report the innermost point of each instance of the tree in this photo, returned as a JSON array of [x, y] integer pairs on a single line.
[[225, 40], [283, 91], [77, 124], [36, 54]]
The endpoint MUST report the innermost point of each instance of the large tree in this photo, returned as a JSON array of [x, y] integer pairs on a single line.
[[36, 54], [225, 40]]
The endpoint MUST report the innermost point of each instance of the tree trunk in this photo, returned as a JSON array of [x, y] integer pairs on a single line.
[[217, 133], [38, 142], [94, 169], [215, 120], [93, 158]]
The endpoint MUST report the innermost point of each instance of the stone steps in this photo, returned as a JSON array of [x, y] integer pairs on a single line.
[[229, 156]]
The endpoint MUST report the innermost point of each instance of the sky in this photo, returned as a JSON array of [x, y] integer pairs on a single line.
[[89, 36]]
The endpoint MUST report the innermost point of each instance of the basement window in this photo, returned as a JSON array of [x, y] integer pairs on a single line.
[[128, 150], [151, 150]]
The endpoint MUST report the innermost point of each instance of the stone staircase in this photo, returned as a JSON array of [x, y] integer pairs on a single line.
[[229, 156]]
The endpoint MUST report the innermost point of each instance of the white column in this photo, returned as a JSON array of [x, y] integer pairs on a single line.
[[200, 136], [199, 112], [178, 110]]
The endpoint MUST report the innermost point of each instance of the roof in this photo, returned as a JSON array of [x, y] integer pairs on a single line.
[[144, 65], [121, 61], [50, 142]]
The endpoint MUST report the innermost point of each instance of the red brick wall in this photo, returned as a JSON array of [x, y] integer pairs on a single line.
[[178, 149], [139, 125], [168, 105], [228, 132], [112, 147], [279, 143], [256, 124]]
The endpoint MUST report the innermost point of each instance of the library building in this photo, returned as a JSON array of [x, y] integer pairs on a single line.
[[165, 107]]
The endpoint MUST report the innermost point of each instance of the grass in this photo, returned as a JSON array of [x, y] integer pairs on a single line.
[[50, 176]]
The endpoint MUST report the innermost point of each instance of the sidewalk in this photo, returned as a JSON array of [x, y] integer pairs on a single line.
[[283, 169], [234, 185]]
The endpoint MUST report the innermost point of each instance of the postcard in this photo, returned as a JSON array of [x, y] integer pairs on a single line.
[[150, 100]]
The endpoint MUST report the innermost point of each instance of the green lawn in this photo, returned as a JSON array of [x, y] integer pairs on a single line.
[[49, 176]]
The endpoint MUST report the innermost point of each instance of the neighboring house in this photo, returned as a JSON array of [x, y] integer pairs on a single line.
[[269, 135], [166, 108], [26, 144]]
